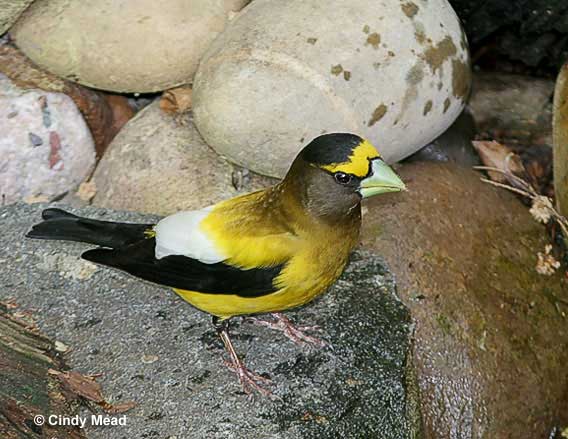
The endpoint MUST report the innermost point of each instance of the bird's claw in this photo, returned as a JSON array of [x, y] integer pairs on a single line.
[[249, 380], [295, 333], [298, 335]]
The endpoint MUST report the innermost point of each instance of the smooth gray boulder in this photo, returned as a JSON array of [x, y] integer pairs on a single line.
[[170, 167], [155, 349]]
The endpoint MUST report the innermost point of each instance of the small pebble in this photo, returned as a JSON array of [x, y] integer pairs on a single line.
[[149, 359], [61, 347], [35, 139]]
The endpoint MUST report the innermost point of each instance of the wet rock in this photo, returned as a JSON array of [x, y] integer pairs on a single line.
[[159, 48], [169, 167], [489, 329], [46, 148], [398, 75], [512, 109], [10, 11], [155, 349]]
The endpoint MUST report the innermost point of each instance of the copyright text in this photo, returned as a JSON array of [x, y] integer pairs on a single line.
[[79, 421]]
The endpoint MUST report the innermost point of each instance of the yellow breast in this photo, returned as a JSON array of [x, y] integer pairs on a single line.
[[314, 255], [315, 266]]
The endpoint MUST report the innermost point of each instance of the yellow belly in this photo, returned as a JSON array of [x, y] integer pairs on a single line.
[[228, 305], [297, 289]]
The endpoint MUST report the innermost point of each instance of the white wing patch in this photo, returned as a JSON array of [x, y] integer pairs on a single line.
[[180, 234]]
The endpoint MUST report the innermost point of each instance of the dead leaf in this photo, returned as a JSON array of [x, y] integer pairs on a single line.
[[9, 303], [538, 164], [87, 190], [31, 199], [122, 112], [497, 155], [86, 387], [176, 100], [119, 408]]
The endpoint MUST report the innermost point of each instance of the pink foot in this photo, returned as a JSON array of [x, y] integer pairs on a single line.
[[295, 333], [249, 380]]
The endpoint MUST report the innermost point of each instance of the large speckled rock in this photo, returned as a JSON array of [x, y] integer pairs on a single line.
[[104, 113], [490, 331], [159, 164], [153, 348], [130, 46], [396, 72], [46, 148]]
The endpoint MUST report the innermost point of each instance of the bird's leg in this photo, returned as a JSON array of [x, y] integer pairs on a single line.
[[295, 333], [249, 380]]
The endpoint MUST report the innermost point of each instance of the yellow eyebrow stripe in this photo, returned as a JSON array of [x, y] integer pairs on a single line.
[[358, 163]]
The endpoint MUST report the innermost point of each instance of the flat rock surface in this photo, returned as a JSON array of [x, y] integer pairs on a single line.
[[156, 350]]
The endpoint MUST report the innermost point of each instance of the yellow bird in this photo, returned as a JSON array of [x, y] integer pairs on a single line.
[[263, 252]]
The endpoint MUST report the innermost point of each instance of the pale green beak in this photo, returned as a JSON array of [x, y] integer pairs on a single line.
[[381, 181]]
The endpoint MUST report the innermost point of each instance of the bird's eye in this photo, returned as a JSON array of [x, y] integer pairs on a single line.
[[342, 177]]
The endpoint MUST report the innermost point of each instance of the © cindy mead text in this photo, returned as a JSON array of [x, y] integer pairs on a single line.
[[80, 421]]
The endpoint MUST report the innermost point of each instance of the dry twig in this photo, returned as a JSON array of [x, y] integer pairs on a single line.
[[542, 208]]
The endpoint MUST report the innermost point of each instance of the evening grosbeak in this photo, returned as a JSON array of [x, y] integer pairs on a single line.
[[262, 252]]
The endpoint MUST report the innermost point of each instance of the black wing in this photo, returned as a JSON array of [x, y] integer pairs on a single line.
[[186, 273]]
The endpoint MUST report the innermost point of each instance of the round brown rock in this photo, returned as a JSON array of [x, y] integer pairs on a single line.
[[123, 46]]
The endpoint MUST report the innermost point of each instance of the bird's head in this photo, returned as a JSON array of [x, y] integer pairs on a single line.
[[337, 170]]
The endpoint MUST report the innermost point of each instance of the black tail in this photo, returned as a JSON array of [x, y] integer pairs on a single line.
[[61, 225]]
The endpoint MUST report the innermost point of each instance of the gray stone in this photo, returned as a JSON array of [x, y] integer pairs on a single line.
[[155, 349], [513, 108], [170, 167]]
